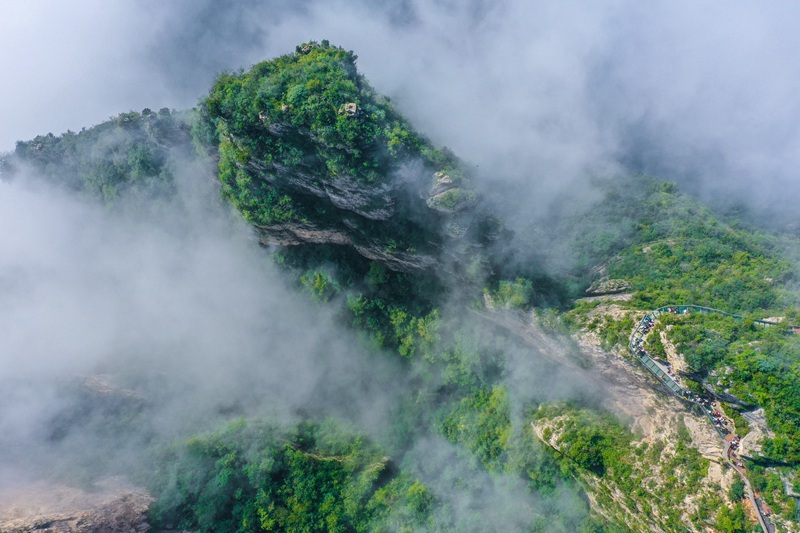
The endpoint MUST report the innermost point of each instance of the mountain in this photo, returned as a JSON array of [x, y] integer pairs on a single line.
[[132, 151], [309, 153], [521, 402]]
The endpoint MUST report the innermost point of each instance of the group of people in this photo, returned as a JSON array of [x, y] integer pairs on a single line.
[[706, 403], [638, 348], [732, 451], [719, 421], [647, 322]]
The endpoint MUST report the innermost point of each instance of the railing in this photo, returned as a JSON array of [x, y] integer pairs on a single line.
[[637, 350], [680, 309]]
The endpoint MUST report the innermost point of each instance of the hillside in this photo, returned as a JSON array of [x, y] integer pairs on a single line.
[[131, 152], [513, 402], [686, 255], [309, 153]]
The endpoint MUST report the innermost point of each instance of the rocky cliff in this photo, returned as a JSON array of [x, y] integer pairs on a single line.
[[112, 507], [311, 154]]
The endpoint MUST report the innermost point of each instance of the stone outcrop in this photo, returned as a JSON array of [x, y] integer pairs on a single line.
[[292, 234], [349, 109], [47, 508], [750, 445], [452, 200], [367, 216], [608, 286], [374, 202], [445, 195], [399, 261]]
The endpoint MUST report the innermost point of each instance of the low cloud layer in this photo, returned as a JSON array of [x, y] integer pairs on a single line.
[[171, 306], [124, 329]]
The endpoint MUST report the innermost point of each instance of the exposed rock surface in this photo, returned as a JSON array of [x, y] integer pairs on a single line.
[[674, 357], [447, 194], [452, 200], [608, 286], [750, 444], [290, 234], [658, 420], [374, 202], [371, 218], [293, 233], [366, 217], [46, 508]]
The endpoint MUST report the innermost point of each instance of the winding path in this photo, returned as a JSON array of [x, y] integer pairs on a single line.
[[765, 524], [636, 347]]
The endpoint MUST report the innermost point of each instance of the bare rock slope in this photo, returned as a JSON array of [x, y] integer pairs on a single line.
[[46, 508]]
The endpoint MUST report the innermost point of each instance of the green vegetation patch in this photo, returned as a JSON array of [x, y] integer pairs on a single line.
[[482, 422], [758, 364], [132, 152], [254, 476], [593, 440], [722, 269], [309, 114]]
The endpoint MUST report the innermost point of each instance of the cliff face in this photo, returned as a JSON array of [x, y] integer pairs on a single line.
[[311, 154]]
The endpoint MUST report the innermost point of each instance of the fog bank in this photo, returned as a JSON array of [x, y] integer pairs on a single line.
[[535, 94]]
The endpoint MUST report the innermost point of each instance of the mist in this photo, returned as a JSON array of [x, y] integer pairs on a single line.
[[176, 307], [169, 307], [536, 96], [126, 329]]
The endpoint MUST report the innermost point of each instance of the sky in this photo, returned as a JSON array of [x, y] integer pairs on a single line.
[[538, 94]]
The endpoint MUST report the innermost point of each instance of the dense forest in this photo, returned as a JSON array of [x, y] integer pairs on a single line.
[[368, 219]]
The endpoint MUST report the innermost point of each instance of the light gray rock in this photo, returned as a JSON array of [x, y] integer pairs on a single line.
[[47, 508]]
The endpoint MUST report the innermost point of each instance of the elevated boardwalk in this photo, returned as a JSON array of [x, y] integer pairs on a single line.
[[647, 322], [636, 347]]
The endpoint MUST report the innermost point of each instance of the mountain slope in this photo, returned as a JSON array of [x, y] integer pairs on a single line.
[[376, 226], [310, 153]]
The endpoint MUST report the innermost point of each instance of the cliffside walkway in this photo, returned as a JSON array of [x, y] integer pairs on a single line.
[[731, 458], [663, 375], [635, 345]]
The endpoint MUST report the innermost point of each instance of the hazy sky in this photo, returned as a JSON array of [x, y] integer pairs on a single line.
[[541, 92]]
